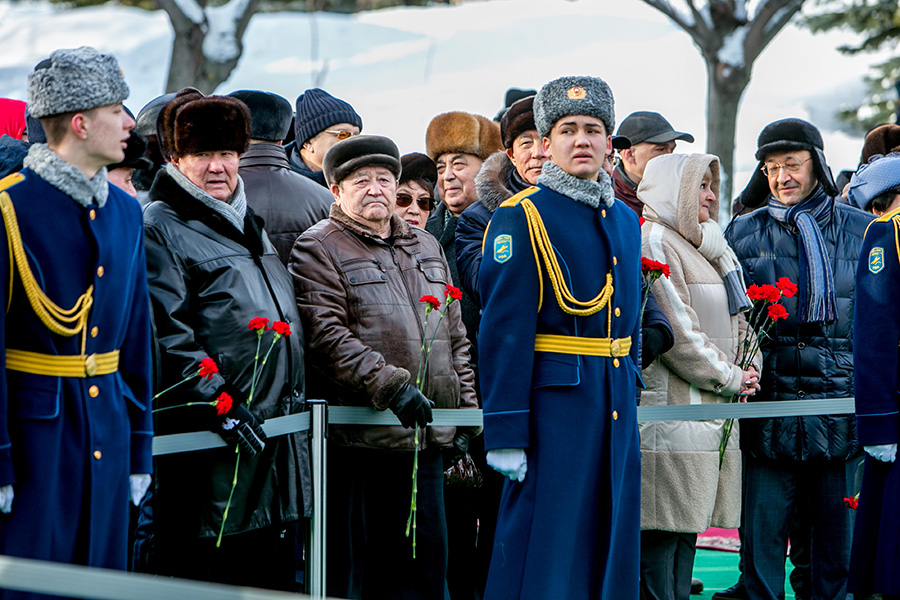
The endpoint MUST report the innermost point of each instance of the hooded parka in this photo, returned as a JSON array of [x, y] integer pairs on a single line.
[[682, 488]]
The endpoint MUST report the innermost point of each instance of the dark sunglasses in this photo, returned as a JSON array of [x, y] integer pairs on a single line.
[[404, 200]]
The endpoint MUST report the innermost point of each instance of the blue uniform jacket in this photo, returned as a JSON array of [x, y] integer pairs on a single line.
[[68, 444]]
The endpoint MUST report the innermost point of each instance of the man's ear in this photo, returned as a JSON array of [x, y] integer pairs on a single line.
[[79, 125], [628, 156], [545, 144], [336, 192]]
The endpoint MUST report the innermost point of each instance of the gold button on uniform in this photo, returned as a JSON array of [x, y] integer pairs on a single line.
[[93, 214], [100, 271], [97, 454], [603, 213], [616, 363], [95, 330], [93, 391], [615, 415], [617, 312], [615, 260]]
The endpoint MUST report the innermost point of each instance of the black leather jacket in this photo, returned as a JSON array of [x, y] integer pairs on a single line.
[[207, 281], [809, 360]]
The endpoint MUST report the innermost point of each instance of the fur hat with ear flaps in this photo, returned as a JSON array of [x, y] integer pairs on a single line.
[[193, 123], [462, 133], [783, 136]]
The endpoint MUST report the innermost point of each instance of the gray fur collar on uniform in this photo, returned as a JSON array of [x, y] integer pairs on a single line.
[[587, 191], [233, 210], [66, 177]]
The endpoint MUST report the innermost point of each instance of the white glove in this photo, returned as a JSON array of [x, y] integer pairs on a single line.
[[139, 486], [510, 462], [6, 498], [884, 452]]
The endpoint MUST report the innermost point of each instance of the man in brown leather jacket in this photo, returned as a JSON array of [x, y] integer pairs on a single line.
[[359, 277]]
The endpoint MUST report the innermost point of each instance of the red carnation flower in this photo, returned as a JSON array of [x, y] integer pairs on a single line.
[[649, 266], [208, 368], [787, 287], [770, 293], [223, 403], [281, 328], [754, 292], [777, 311], [431, 301], [258, 324], [453, 292], [852, 503]]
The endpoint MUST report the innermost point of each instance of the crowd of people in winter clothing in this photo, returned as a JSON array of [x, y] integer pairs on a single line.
[[215, 261]]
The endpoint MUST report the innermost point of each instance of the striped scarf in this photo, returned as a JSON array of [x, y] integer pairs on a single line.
[[817, 301]]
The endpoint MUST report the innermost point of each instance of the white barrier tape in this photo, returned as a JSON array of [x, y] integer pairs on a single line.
[[360, 415], [75, 581], [203, 440]]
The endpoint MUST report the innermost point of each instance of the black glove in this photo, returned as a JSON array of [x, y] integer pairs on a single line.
[[653, 343], [461, 443], [411, 407], [240, 426]]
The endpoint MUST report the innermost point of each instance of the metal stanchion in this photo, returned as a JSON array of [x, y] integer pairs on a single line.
[[316, 553]]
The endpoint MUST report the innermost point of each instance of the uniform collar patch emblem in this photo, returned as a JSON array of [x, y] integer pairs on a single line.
[[503, 248], [876, 260], [576, 92]]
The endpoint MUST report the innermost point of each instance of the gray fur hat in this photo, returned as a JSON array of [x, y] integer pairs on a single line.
[[75, 79], [583, 95]]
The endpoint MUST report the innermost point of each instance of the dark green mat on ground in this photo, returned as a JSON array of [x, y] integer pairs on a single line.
[[719, 570]]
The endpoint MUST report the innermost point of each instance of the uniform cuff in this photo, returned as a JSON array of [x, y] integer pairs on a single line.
[[141, 453], [506, 430], [874, 430], [7, 475]]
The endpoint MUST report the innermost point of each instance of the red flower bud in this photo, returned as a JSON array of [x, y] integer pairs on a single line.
[[777, 311], [649, 266], [787, 287], [453, 292], [223, 403], [208, 368]]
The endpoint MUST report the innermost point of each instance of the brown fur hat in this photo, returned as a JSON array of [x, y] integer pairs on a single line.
[[883, 139], [193, 123], [464, 133], [517, 119]]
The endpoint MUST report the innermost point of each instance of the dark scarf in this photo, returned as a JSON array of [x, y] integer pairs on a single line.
[[817, 301]]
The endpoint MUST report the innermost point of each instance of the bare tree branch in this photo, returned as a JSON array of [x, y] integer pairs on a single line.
[[771, 17]]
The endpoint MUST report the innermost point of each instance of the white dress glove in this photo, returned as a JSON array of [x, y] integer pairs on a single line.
[[139, 486], [6, 498], [510, 462], [884, 452]]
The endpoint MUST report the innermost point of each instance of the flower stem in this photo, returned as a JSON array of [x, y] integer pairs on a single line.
[[261, 367], [172, 387], [237, 464], [411, 520], [259, 333]]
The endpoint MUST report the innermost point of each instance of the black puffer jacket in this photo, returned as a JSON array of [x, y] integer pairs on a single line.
[[803, 361], [207, 281]]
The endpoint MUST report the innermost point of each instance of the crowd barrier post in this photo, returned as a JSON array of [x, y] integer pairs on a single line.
[[316, 553]]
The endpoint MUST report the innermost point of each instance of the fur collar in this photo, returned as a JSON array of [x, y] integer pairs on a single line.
[[66, 177], [492, 182], [188, 208], [400, 229], [586, 191]]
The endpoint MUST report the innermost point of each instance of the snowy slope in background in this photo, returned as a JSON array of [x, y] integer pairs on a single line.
[[400, 67]]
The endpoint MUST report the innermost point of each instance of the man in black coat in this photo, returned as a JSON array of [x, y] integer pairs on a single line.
[[289, 203], [803, 234]]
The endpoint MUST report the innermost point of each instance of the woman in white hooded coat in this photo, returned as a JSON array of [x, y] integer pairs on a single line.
[[683, 491]]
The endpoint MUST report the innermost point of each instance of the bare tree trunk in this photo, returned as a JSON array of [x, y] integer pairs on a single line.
[[208, 44], [725, 87]]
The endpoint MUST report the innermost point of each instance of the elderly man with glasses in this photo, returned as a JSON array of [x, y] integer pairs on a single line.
[[800, 233], [321, 122]]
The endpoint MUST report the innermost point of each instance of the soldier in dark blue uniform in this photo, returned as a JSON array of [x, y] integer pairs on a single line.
[[875, 555], [560, 286], [75, 416]]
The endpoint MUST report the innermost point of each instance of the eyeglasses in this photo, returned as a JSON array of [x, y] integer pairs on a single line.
[[404, 200], [341, 135], [791, 166]]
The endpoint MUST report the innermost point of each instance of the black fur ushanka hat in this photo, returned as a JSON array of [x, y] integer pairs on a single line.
[[192, 123]]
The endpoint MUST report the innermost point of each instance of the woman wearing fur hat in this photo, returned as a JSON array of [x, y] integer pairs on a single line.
[[211, 270], [683, 491], [560, 285]]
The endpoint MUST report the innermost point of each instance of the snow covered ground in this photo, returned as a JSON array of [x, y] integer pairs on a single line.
[[400, 67]]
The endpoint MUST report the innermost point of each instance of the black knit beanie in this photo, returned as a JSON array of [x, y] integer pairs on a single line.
[[317, 110]]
